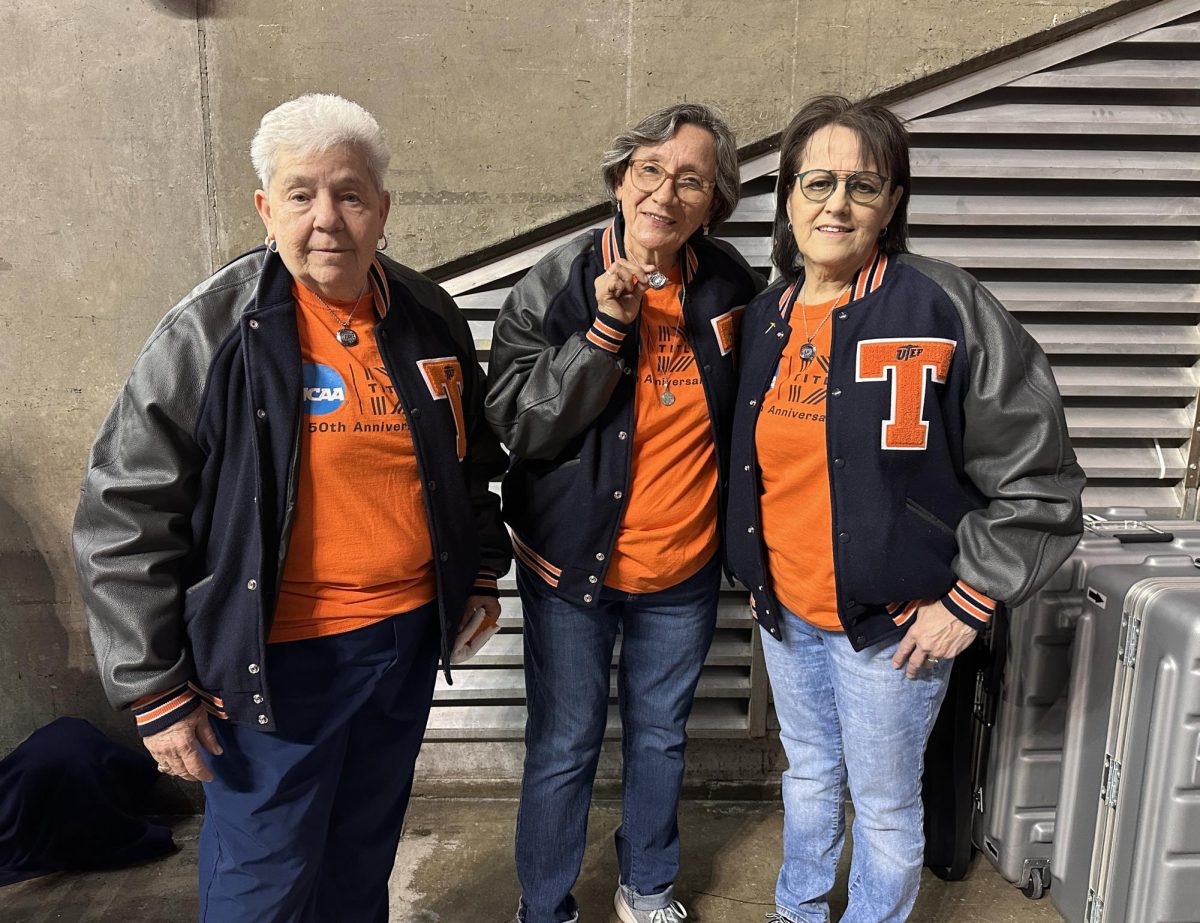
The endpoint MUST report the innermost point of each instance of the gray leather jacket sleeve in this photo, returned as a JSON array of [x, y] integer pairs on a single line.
[[541, 395], [1015, 448], [133, 524]]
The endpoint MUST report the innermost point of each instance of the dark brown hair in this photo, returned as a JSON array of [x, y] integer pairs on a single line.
[[883, 141]]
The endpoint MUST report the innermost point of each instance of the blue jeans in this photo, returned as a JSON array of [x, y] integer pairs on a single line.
[[301, 824], [665, 637], [849, 717]]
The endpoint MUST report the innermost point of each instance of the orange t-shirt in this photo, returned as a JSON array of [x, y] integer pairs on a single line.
[[360, 549], [797, 516], [669, 528]]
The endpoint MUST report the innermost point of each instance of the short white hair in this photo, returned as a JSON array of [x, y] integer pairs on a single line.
[[312, 124]]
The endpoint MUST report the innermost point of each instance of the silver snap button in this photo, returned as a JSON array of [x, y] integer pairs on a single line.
[[252, 584], [593, 579], [253, 668], [599, 555], [444, 556], [747, 468], [617, 495], [260, 413], [751, 530], [754, 403], [258, 699], [253, 325], [587, 597], [622, 435], [262, 719], [841, 315]]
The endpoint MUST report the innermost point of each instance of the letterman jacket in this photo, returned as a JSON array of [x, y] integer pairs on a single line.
[[561, 397], [950, 472], [187, 504]]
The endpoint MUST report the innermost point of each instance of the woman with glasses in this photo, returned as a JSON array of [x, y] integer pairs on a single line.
[[900, 471], [612, 382]]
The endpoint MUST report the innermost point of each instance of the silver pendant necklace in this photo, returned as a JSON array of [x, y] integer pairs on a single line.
[[344, 335], [657, 280], [667, 397], [808, 351]]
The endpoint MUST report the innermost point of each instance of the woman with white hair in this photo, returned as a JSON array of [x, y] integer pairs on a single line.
[[285, 522]]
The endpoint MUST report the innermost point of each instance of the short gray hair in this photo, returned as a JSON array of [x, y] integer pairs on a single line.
[[660, 126], [312, 124]]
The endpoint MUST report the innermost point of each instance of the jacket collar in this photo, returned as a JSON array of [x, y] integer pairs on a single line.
[[275, 284], [612, 248], [865, 281]]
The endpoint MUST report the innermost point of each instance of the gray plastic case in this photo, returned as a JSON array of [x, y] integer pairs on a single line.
[[1127, 839], [1016, 798]]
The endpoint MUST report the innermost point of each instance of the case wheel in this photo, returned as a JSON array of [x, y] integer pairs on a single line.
[[1036, 885]]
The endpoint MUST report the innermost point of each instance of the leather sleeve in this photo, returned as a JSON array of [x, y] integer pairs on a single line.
[[542, 395], [1015, 450]]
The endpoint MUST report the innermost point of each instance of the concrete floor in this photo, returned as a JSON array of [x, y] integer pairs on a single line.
[[455, 866]]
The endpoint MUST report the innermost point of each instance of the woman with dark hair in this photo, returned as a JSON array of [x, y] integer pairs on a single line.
[[900, 471], [612, 382]]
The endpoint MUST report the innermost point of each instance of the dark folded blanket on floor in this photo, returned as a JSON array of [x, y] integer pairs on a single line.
[[69, 800]]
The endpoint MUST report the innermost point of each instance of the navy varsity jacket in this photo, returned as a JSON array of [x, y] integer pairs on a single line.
[[950, 471], [561, 396], [182, 528]]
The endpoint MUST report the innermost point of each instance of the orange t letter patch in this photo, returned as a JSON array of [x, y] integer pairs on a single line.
[[911, 364], [444, 378]]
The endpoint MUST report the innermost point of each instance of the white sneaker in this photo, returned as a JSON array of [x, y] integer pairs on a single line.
[[672, 913]]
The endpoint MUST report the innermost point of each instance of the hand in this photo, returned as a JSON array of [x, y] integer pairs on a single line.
[[619, 291], [936, 634], [479, 622], [177, 748]]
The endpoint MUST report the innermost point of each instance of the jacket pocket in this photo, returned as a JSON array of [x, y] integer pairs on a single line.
[[920, 512]]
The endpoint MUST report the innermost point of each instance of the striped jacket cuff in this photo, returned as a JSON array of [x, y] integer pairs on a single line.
[[607, 333], [969, 605], [159, 711], [485, 583]]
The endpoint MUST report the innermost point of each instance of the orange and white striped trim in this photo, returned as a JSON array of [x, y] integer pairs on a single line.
[[969, 605], [902, 612], [535, 562], [486, 583], [605, 334], [865, 281], [612, 249]]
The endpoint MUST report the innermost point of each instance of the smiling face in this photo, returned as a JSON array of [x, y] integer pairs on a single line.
[[835, 236], [326, 214], [658, 223]]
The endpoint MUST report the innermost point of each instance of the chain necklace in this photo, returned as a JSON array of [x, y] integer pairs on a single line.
[[808, 351], [666, 397], [344, 335]]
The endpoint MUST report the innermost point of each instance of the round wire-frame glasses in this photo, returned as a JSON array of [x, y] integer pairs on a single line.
[[863, 186]]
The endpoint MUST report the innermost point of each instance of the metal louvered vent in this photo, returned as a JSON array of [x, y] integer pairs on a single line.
[[1068, 181]]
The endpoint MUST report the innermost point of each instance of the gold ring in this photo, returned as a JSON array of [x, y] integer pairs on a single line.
[[932, 660], [163, 767]]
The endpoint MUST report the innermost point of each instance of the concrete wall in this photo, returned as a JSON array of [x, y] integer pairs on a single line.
[[125, 181]]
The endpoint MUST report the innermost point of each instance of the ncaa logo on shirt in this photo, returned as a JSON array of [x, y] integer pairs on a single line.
[[324, 390]]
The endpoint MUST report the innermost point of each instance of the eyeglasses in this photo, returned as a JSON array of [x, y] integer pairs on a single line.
[[648, 176], [863, 187]]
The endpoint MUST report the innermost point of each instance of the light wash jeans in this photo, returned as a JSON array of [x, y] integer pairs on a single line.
[[849, 717], [568, 649]]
